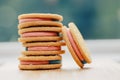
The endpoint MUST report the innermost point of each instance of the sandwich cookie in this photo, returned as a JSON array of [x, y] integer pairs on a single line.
[[40, 62], [76, 45], [39, 36], [37, 16], [47, 48]]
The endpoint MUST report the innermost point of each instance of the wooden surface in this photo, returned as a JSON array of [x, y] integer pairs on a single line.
[[103, 67], [100, 69]]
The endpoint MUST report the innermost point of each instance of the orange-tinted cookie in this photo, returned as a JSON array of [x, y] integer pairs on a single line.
[[38, 29], [40, 58], [39, 24], [40, 67], [44, 44], [42, 53], [54, 17], [38, 39]]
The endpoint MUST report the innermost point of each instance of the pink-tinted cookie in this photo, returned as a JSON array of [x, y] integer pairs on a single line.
[[40, 62], [34, 62], [74, 46], [38, 34]]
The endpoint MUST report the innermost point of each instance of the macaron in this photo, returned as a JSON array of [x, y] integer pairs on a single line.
[[76, 45], [43, 48], [40, 62]]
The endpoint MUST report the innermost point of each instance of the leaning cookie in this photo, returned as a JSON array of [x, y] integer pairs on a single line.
[[76, 45], [40, 62]]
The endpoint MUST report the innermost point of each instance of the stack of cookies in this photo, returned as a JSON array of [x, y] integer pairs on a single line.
[[40, 35]]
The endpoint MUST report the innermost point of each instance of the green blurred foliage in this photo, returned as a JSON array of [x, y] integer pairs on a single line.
[[96, 19]]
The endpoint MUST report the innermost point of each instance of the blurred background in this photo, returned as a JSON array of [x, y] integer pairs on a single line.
[[96, 19]]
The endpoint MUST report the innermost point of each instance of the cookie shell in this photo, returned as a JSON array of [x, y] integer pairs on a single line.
[[36, 39], [37, 29], [39, 24], [40, 67], [39, 58], [44, 44], [41, 15], [42, 53]]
